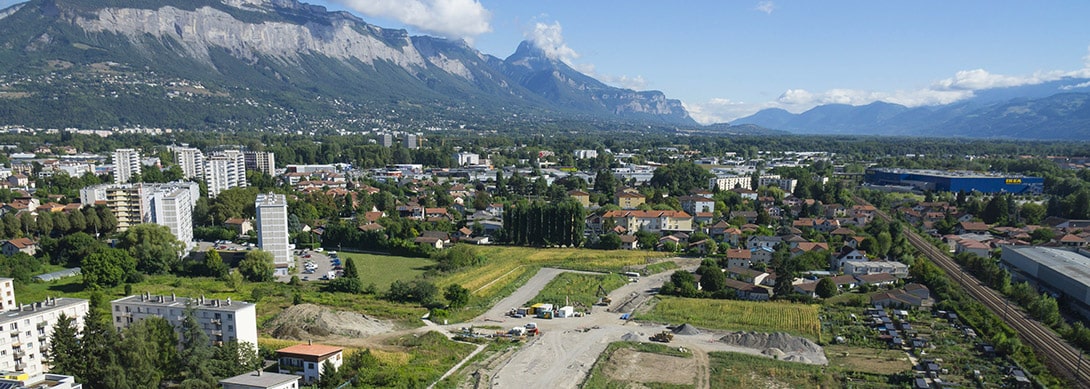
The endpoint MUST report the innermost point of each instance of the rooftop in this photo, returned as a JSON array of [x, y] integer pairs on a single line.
[[148, 299], [316, 350], [951, 173], [263, 379], [1070, 263], [38, 308]]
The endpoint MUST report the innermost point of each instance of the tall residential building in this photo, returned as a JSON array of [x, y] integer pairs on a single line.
[[262, 161], [387, 140], [272, 229], [127, 202], [191, 161], [225, 170], [412, 141], [133, 204], [126, 165], [172, 206], [30, 327], [222, 320]]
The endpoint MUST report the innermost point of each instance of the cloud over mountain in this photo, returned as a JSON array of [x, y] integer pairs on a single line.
[[463, 19]]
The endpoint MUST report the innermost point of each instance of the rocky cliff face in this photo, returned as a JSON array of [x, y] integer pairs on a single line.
[[283, 45]]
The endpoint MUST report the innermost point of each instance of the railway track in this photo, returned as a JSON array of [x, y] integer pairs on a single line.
[[1062, 359]]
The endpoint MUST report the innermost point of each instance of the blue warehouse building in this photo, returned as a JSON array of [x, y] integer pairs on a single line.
[[955, 181]]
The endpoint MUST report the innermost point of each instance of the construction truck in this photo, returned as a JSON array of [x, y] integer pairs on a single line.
[[664, 337]]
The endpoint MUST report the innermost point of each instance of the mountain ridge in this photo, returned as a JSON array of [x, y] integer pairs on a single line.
[[285, 56]]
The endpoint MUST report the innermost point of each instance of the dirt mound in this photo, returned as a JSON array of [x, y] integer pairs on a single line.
[[631, 337], [774, 352], [686, 329], [306, 321], [783, 342], [798, 358]]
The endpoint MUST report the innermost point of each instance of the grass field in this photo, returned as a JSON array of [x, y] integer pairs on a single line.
[[575, 289], [798, 319], [382, 270], [507, 268], [871, 360]]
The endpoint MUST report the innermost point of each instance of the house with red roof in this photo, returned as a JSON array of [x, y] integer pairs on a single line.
[[306, 360]]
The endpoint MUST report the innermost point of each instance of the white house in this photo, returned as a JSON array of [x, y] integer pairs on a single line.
[[306, 360]]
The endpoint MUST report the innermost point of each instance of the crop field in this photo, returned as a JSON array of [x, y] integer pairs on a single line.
[[641, 365], [734, 370], [798, 319], [575, 289]]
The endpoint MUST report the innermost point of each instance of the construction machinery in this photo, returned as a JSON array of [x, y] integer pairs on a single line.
[[603, 296], [664, 337]]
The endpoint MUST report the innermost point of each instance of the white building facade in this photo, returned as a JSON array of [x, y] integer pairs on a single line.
[[225, 170], [126, 165], [222, 320], [30, 328], [272, 228], [191, 161]]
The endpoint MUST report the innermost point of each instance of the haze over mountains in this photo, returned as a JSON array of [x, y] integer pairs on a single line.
[[281, 63]]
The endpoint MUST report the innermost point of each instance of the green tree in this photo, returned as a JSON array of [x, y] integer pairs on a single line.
[[156, 249], [826, 288], [350, 270], [107, 268], [681, 177], [257, 266], [64, 347], [330, 377], [196, 350], [213, 264], [1032, 213], [73, 248], [712, 278], [456, 295]]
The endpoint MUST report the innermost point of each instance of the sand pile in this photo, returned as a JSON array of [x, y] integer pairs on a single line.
[[306, 321]]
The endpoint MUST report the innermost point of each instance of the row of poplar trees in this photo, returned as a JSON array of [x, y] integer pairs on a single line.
[[544, 224]]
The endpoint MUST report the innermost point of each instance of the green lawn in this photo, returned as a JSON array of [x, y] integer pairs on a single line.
[[766, 316], [382, 270]]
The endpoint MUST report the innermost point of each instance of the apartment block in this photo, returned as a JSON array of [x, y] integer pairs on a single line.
[[28, 328], [191, 161], [7, 294], [42, 381], [172, 206], [225, 170], [127, 202], [411, 141], [126, 165], [262, 161], [222, 320], [272, 229]]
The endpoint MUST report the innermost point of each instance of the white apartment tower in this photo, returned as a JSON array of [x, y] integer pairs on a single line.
[[191, 161], [172, 206], [412, 141], [222, 320], [225, 170], [7, 294], [262, 161], [272, 228], [126, 165], [127, 202], [30, 327]]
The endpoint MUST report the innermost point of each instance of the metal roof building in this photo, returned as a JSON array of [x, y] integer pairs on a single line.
[[1059, 270]]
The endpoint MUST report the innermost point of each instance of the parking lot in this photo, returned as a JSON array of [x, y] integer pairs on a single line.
[[312, 265]]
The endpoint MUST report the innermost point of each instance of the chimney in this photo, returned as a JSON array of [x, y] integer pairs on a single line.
[[310, 342], [173, 297], [228, 301]]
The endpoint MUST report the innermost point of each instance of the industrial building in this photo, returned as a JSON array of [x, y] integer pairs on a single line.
[[222, 320], [1062, 271], [955, 181]]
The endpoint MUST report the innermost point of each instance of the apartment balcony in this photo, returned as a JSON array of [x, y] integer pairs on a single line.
[[18, 353], [20, 366], [217, 322], [42, 324]]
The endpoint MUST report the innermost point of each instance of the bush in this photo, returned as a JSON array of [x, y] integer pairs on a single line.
[[346, 285]]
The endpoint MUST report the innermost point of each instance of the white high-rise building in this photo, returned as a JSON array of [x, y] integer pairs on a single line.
[[172, 206], [126, 165], [191, 161], [412, 141], [467, 159], [272, 229], [225, 170], [222, 320], [262, 161]]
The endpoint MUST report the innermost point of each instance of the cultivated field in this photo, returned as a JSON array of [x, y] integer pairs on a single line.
[[576, 289], [634, 364], [798, 319]]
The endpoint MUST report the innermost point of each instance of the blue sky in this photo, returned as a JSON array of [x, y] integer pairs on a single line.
[[727, 59]]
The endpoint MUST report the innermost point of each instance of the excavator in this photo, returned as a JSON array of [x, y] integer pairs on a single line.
[[603, 296]]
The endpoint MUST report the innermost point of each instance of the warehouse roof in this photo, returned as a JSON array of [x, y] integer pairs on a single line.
[[1070, 263]]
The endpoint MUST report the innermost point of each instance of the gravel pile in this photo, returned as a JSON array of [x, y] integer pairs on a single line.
[[686, 329], [306, 321], [780, 341]]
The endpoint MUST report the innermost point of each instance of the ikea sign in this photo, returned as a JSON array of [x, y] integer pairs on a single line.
[[1014, 181]]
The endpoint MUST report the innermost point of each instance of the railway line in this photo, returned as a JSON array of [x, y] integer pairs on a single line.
[[1062, 359]]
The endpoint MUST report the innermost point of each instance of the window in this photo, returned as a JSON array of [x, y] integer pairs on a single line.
[[117, 308], [310, 365]]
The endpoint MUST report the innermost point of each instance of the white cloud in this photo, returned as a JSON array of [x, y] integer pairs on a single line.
[[959, 87], [766, 7], [550, 39], [463, 19], [623, 81]]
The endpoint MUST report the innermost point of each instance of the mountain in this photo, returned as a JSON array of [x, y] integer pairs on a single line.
[[277, 63], [1052, 110]]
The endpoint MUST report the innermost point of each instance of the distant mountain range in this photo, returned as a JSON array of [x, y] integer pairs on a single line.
[[1051, 110], [264, 63]]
